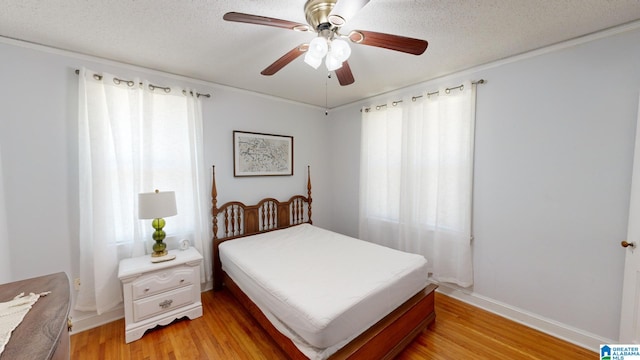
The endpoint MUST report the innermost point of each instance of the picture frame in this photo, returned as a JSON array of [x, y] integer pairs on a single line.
[[259, 154]]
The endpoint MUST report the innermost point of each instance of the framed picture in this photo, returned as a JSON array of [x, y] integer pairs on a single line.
[[256, 154]]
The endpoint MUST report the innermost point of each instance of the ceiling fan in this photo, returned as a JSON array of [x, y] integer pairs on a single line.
[[326, 17]]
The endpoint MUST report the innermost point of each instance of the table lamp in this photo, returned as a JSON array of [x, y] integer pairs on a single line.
[[158, 205]]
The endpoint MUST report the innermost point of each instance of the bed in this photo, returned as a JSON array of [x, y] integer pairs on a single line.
[[317, 293]]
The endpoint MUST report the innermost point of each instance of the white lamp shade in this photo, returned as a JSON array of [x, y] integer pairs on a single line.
[[157, 205], [340, 49], [313, 61], [318, 47], [332, 62]]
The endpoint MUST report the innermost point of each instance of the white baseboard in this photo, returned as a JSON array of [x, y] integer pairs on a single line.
[[562, 331], [82, 323]]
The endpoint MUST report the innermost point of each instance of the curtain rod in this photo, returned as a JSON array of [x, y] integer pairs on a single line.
[[414, 98], [151, 86]]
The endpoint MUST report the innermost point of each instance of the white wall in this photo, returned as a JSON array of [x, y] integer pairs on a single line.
[[554, 147], [253, 112], [38, 139], [37, 171], [553, 181], [5, 258]]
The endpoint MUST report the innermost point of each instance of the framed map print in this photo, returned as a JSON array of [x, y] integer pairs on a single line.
[[256, 154]]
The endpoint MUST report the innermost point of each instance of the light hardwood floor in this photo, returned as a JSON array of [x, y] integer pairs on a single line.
[[226, 331]]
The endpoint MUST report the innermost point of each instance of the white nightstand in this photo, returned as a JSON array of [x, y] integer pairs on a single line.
[[158, 293]]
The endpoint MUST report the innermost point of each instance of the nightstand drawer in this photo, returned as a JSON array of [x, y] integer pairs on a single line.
[[162, 303], [160, 281]]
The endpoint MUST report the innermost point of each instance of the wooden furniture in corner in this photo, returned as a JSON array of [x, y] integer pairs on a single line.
[[43, 333]]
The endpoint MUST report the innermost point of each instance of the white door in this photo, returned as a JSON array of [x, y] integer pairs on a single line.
[[630, 313]]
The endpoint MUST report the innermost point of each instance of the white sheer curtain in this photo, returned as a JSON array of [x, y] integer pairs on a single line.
[[416, 179], [133, 139]]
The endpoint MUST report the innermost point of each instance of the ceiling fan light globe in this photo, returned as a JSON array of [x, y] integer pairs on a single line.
[[312, 61], [340, 49], [332, 62], [318, 47]]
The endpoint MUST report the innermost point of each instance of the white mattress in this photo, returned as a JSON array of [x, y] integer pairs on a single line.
[[321, 288]]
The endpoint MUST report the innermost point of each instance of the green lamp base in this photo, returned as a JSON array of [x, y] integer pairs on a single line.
[[159, 248]]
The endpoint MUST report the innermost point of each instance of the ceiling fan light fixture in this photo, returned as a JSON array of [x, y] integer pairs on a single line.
[[318, 47], [340, 49], [312, 61], [332, 62]]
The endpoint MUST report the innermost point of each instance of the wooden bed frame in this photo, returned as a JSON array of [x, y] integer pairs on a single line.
[[384, 340]]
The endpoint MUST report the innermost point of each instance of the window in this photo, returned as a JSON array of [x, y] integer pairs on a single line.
[[416, 179], [133, 138]]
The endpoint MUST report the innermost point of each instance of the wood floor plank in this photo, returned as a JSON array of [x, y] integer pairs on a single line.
[[227, 331]]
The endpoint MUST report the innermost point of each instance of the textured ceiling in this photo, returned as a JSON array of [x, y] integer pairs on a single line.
[[190, 38]]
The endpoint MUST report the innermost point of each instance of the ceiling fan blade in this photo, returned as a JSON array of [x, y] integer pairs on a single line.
[[263, 20], [285, 60], [344, 10], [345, 77], [388, 41]]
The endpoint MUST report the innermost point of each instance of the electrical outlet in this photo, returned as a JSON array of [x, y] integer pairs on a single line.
[[76, 284]]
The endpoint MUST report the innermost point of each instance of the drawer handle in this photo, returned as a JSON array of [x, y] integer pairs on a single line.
[[181, 281], [146, 290], [165, 304]]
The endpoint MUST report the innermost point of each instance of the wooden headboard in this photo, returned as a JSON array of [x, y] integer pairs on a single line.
[[234, 219]]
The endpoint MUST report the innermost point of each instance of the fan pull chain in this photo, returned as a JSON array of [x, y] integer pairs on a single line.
[[326, 96]]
